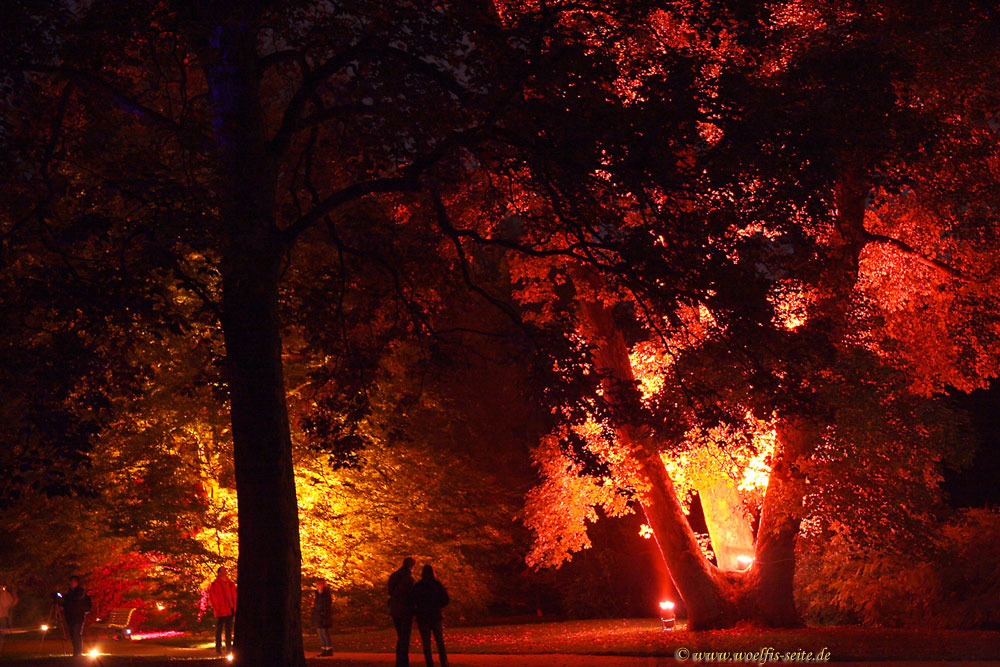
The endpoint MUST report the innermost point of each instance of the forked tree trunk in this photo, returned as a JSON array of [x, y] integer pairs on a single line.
[[268, 612], [714, 599], [700, 584], [697, 580]]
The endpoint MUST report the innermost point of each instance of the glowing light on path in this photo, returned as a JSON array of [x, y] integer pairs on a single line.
[[93, 653], [157, 635]]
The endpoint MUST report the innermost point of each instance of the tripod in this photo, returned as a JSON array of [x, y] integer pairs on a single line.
[[55, 619]]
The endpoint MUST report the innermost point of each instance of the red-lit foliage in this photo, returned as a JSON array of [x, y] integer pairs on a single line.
[[636, 163]]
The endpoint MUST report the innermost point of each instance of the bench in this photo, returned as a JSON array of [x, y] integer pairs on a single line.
[[117, 623]]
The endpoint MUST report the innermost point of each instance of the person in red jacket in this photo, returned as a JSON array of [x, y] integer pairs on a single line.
[[222, 595]]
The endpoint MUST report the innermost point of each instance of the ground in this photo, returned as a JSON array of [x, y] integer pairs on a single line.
[[600, 643]]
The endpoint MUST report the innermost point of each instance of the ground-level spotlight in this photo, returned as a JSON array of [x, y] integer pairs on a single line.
[[159, 607], [94, 652], [744, 561], [45, 628], [667, 619], [229, 657]]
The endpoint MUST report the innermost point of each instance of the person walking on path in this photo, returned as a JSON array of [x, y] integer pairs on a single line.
[[427, 599], [222, 595], [8, 599], [75, 605], [400, 585], [322, 617]]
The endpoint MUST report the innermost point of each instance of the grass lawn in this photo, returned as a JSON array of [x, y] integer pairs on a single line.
[[643, 637], [625, 637]]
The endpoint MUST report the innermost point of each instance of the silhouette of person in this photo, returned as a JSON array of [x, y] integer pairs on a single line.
[[222, 595], [75, 605], [322, 616], [427, 599], [400, 584], [8, 599]]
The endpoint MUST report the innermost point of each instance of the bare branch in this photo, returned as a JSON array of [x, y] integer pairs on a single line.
[[312, 80], [123, 100], [279, 57], [404, 183], [463, 262], [406, 180]]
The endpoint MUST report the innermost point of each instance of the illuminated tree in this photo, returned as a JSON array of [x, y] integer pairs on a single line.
[[790, 183], [213, 136], [629, 156]]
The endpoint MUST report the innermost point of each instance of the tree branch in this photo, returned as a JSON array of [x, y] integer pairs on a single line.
[[449, 229], [126, 102], [404, 183], [312, 80], [407, 180], [931, 262]]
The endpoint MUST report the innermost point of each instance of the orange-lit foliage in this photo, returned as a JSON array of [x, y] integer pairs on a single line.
[[567, 499]]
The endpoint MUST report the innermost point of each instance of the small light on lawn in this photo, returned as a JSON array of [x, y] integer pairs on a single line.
[[229, 657], [159, 606], [45, 628]]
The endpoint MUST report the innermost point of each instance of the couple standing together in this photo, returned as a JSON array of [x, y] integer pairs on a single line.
[[422, 600]]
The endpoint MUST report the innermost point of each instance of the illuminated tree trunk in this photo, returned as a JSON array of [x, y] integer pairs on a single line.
[[727, 523], [768, 588], [714, 599], [268, 614], [698, 581]]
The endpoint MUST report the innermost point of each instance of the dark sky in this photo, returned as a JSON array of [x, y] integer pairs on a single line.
[[979, 484]]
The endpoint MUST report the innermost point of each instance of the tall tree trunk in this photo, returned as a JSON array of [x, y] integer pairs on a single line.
[[268, 613], [269, 602]]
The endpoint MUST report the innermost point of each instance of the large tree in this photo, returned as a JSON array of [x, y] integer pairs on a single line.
[[207, 138], [809, 109]]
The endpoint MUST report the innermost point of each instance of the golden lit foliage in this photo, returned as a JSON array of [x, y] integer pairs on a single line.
[[724, 455]]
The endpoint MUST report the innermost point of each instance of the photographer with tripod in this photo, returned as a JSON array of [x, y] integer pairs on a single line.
[[75, 606]]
